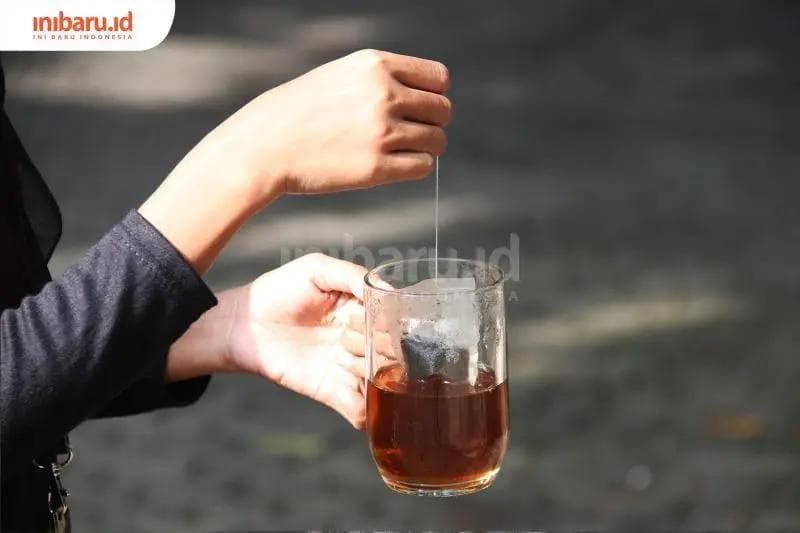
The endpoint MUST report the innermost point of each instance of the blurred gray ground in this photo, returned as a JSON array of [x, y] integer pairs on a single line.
[[646, 155]]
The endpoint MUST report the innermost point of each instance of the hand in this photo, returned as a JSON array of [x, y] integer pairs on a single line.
[[366, 119], [299, 325], [291, 327]]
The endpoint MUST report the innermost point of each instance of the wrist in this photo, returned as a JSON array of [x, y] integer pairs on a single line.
[[237, 150], [227, 317], [204, 348], [198, 213]]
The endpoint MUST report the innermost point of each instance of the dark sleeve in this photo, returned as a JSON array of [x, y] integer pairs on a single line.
[[98, 334], [151, 392]]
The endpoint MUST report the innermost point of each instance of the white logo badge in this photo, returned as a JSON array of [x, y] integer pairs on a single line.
[[59, 25]]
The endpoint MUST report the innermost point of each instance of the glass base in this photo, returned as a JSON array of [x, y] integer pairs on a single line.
[[442, 491]]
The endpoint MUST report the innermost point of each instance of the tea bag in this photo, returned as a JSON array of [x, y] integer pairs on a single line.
[[442, 339]]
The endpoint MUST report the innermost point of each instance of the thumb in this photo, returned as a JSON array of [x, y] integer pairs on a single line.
[[331, 274]]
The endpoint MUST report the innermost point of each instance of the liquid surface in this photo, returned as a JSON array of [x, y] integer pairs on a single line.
[[435, 433]]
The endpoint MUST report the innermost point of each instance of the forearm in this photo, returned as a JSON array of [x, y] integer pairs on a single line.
[[210, 194], [364, 120], [204, 348], [69, 350]]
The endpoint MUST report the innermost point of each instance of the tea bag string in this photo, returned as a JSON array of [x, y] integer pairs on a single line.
[[436, 223]]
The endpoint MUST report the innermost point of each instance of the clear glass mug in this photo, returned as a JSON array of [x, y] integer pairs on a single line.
[[437, 393]]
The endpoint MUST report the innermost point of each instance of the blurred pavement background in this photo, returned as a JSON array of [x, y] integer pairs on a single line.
[[645, 154]]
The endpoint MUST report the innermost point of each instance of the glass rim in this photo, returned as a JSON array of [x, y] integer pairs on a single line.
[[498, 279]]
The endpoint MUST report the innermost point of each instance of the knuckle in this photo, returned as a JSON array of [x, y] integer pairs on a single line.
[[313, 257], [369, 57], [382, 98], [380, 123], [383, 133], [364, 54], [388, 97], [373, 166]]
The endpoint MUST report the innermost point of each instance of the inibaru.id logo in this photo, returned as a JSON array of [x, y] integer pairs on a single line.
[[63, 26]]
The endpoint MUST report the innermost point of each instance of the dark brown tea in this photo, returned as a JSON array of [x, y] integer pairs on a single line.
[[437, 434]]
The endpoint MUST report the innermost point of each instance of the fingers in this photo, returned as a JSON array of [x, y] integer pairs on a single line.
[[357, 322], [353, 342], [381, 284], [344, 393], [405, 166], [345, 311], [353, 339], [331, 274], [350, 403], [382, 346], [353, 364], [423, 106], [411, 111], [417, 73], [416, 137]]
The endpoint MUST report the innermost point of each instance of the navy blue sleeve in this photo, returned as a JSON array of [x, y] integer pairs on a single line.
[[97, 338]]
